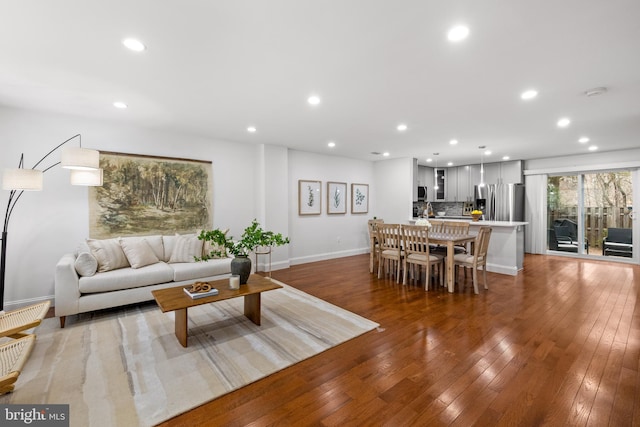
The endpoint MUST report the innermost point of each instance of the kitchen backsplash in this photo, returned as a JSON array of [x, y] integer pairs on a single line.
[[453, 208]]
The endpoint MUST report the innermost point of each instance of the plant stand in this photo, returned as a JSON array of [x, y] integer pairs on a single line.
[[264, 251]]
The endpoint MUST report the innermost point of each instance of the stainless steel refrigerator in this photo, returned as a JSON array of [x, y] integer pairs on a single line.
[[500, 202]]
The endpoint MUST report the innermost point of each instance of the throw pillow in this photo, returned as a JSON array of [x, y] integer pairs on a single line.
[[109, 254], [186, 248], [86, 264], [138, 252]]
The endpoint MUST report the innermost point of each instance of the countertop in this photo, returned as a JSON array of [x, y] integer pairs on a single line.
[[479, 223]]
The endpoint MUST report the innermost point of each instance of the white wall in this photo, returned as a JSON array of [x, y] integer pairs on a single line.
[[249, 181], [47, 224], [317, 237], [394, 190]]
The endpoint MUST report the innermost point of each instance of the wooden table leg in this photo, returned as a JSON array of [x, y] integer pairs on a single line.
[[450, 275], [252, 307], [181, 326]]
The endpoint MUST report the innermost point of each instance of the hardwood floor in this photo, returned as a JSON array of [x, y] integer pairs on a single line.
[[557, 345]]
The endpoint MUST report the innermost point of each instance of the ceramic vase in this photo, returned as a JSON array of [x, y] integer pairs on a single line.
[[241, 265]]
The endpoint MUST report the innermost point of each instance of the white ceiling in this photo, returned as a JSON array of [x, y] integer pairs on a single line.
[[212, 68]]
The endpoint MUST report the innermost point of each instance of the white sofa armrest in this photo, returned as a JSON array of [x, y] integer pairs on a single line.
[[67, 287]]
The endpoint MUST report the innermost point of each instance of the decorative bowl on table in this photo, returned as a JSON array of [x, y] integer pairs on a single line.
[[442, 213]]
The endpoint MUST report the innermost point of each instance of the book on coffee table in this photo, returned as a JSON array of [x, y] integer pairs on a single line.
[[196, 295]]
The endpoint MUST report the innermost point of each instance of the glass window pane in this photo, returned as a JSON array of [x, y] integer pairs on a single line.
[[608, 200]]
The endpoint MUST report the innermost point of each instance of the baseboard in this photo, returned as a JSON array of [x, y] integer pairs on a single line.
[[328, 255], [13, 305], [280, 265], [502, 269]]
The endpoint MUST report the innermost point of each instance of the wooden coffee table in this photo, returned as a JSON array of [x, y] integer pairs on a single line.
[[174, 299]]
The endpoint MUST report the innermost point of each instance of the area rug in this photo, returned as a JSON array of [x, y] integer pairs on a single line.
[[126, 367]]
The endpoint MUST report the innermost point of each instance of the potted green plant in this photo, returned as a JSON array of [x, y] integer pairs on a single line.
[[252, 237]]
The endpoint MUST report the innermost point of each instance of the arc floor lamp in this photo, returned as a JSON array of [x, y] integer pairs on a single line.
[[85, 170]]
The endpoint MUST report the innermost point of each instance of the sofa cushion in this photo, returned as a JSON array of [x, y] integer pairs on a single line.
[[169, 242], [86, 264], [197, 270], [155, 242], [109, 254], [138, 252], [126, 278], [186, 248]]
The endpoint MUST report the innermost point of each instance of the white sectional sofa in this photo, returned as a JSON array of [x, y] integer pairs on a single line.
[[114, 272]]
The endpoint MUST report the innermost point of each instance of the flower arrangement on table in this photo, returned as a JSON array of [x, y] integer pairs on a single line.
[[424, 222], [476, 212]]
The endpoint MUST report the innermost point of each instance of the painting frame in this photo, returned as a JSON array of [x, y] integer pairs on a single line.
[[149, 195], [336, 198], [309, 197], [359, 198]]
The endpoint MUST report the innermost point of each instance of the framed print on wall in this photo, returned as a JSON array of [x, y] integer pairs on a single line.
[[336, 197], [309, 197], [145, 195], [359, 198]]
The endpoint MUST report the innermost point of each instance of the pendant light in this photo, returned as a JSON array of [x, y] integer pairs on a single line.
[[435, 173], [482, 147]]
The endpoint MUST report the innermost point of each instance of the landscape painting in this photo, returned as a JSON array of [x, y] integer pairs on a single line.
[[145, 195]]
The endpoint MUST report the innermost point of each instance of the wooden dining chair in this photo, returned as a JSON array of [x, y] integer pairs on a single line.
[[416, 254], [476, 260], [373, 242], [389, 249], [456, 228]]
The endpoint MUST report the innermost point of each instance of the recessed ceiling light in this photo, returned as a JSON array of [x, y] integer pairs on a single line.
[[251, 129], [386, 154], [529, 94], [450, 164], [505, 157], [134, 44], [563, 122], [453, 142], [487, 153], [402, 127], [120, 104], [313, 100], [593, 148], [596, 91], [458, 33], [331, 144], [583, 140], [429, 160]]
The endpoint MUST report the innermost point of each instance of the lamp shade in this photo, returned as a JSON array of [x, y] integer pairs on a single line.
[[88, 178], [80, 158], [22, 179]]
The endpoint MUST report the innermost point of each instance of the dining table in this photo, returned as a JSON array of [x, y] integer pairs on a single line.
[[451, 240]]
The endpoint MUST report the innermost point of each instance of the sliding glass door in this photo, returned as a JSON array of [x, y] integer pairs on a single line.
[[591, 214]]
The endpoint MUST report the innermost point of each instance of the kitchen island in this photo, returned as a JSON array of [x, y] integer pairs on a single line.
[[506, 247]]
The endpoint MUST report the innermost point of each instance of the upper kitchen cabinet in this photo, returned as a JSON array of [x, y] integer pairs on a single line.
[[511, 172], [464, 188], [440, 193], [425, 178], [492, 173], [451, 183]]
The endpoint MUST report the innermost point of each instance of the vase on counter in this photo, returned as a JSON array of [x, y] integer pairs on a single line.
[[476, 217]]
